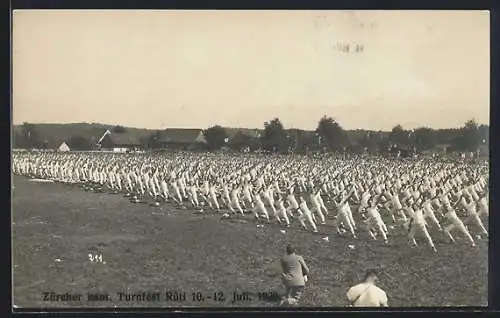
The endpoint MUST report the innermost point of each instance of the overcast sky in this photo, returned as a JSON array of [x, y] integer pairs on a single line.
[[158, 69]]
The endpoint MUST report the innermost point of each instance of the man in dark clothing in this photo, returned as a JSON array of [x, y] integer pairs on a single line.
[[294, 275]]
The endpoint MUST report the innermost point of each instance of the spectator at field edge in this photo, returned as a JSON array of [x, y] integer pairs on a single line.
[[294, 275], [367, 294]]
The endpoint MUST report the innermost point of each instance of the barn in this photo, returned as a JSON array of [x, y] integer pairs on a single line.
[[182, 139], [119, 142]]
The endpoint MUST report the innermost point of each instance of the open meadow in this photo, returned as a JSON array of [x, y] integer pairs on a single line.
[[158, 249]]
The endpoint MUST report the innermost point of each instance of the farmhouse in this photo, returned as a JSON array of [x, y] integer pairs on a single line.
[[119, 142], [182, 139]]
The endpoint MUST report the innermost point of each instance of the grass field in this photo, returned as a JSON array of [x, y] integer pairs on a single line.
[[148, 249]]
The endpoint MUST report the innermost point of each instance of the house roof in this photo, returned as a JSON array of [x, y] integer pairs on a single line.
[[232, 132], [123, 139], [240, 137], [179, 135], [301, 132]]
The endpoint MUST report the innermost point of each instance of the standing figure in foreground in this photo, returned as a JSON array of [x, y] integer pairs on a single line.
[[294, 275]]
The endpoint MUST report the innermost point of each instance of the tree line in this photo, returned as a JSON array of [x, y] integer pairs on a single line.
[[329, 136]]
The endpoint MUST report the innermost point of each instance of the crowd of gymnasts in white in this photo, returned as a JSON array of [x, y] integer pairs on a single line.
[[451, 196]]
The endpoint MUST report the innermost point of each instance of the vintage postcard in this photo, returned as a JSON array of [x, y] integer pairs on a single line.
[[180, 159]]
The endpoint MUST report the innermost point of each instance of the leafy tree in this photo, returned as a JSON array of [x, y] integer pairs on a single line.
[[484, 132], [470, 135], [331, 134], [424, 138], [467, 138], [274, 137], [119, 129], [79, 143], [399, 136], [445, 136], [216, 137]]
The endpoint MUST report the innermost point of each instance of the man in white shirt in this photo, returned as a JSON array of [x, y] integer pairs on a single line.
[[193, 195], [418, 224], [293, 205], [397, 207], [483, 206], [235, 200], [281, 211], [367, 294], [429, 212], [472, 215], [343, 214], [374, 220], [307, 214], [456, 223], [365, 197], [260, 208], [317, 206]]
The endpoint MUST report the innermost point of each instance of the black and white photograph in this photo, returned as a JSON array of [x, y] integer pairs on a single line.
[[250, 159]]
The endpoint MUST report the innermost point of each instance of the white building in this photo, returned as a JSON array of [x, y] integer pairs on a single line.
[[120, 149], [63, 147]]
